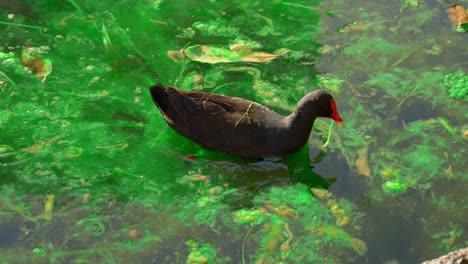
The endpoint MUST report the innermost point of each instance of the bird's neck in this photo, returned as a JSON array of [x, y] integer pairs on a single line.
[[300, 124]]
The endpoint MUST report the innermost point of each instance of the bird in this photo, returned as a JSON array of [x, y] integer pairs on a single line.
[[241, 127]]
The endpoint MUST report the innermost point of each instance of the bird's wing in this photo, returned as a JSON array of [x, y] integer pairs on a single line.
[[203, 121], [215, 121], [229, 104]]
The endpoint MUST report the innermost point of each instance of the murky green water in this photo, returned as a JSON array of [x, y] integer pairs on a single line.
[[90, 172]]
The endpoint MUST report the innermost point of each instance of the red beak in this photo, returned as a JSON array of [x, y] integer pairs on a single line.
[[335, 116]]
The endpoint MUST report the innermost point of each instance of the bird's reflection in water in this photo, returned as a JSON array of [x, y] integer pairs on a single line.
[[250, 177]]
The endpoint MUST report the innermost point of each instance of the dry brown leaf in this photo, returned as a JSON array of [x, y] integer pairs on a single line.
[[86, 197], [261, 56], [175, 55], [361, 163], [206, 54], [212, 55], [34, 149], [133, 233], [282, 210], [41, 68], [449, 171], [31, 57], [457, 15], [48, 207], [322, 194]]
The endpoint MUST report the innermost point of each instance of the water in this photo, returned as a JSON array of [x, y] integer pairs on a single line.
[[91, 172]]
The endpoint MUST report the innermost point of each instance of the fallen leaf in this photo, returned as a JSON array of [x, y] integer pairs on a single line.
[[176, 55], [361, 163], [322, 194], [86, 197], [449, 171], [282, 210], [48, 207], [42, 68], [34, 149], [212, 55], [262, 56], [354, 26], [133, 233], [31, 57], [198, 177], [457, 15], [215, 190]]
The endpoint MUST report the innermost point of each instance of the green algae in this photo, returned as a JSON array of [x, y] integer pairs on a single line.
[[124, 188], [457, 84], [394, 187], [283, 216], [200, 254]]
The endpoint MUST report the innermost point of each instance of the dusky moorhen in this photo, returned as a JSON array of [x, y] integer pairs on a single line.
[[238, 126]]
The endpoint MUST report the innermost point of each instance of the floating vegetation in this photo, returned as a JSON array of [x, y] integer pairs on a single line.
[[457, 84], [90, 174], [236, 53], [32, 57], [458, 16]]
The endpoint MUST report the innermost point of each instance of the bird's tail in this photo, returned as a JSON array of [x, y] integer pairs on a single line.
[[160, 98]]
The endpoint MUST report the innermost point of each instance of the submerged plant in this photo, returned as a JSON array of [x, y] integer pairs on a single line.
[[90, 174], [457, 84]]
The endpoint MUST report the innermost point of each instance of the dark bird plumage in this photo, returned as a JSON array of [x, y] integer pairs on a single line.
[[238, 126]]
